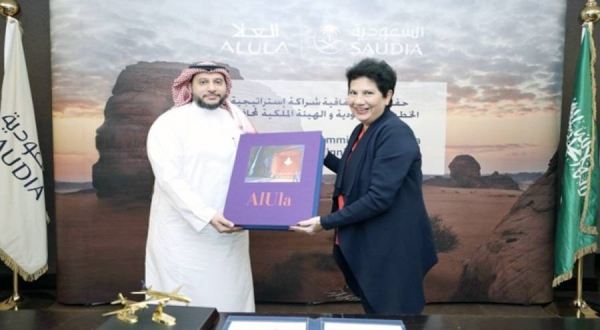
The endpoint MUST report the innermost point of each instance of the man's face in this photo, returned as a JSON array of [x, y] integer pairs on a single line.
[[208, 89]]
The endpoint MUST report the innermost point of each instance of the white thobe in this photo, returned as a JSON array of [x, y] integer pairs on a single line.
[[192, 151]]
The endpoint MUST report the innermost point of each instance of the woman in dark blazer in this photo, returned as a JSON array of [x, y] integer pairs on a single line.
[[383, 240]]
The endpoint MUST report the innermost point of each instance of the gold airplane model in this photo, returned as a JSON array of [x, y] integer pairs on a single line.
[[127, 313], [164, 297], [173, 295]]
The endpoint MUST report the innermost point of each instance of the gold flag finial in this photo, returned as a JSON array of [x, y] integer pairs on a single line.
[[9, 8], [591, 12]]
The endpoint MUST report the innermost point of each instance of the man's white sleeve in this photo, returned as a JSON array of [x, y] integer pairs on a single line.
[[165, 154]]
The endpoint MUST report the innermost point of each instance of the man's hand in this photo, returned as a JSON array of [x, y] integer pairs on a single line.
[[310, 226], [223, 225]]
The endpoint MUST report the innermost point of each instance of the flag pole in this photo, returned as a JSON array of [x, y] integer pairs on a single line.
[[579, 302], [12, 301], [11, 8], [582, 310]]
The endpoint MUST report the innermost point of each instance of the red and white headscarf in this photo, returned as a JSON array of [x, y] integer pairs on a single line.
[[182, 93]]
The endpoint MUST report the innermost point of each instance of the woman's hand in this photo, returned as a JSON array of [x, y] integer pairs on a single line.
[[310, 226]]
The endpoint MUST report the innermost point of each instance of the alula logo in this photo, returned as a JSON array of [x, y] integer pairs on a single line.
[[269, 199], [255, 40]]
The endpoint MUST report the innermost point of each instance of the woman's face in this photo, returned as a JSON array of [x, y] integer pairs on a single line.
[[366, 101]]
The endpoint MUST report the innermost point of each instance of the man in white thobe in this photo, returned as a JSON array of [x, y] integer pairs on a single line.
[[192, 148]]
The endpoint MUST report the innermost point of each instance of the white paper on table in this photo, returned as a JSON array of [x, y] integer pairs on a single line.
[[328, 325], [266, 325]]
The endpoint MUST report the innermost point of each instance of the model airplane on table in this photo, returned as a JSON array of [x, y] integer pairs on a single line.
[[173, 295], [159, 316], [127, 313]]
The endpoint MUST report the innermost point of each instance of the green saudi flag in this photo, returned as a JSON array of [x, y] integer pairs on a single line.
[[576, 224]]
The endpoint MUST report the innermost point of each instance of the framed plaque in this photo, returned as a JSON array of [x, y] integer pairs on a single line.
[[276, 180], [259, 322]]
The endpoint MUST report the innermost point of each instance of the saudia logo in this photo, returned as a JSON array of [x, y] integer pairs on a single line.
[[366, 41], [327, 41], [269, 199], [255, 41], [21, 154]]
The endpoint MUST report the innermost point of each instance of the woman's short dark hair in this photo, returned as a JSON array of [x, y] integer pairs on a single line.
[[377, 70]]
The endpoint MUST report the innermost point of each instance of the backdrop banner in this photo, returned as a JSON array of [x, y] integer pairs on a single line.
[[479, 85]]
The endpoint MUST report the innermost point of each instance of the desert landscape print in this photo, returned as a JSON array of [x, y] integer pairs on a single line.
[[293, 267]]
